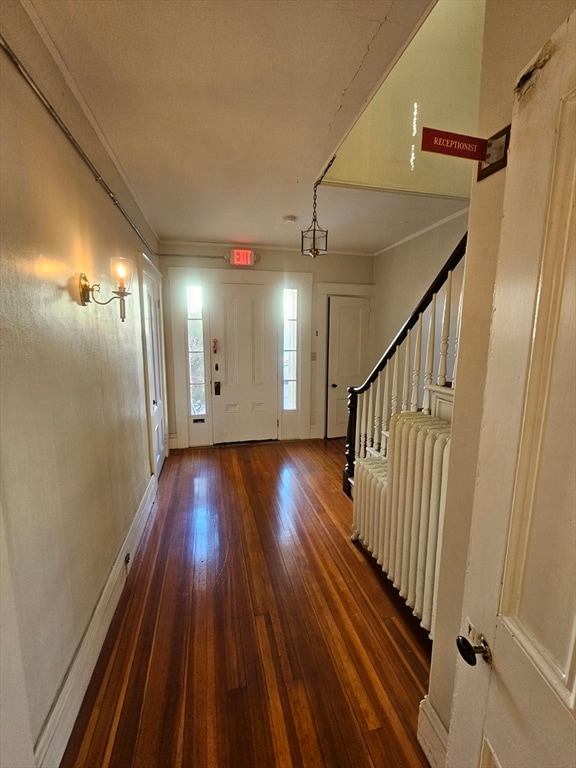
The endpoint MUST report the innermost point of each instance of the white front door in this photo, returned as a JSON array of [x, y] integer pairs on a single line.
[[520, 590], [348, 328], [244, 361], [154, 370]]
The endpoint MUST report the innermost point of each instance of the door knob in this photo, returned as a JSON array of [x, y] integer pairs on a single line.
[[469, 651], [334, 386]]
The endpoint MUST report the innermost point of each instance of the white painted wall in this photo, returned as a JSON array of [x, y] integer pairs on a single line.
[[73, 449], [404, 273], [514, 31]]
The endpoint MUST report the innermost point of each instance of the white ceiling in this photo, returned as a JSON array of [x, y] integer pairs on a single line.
[[221, 114]]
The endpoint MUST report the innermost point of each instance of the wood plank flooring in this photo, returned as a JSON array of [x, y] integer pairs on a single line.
[[252, 633]]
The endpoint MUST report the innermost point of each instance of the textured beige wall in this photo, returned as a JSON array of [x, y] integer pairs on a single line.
[[16, 742], [74, 450], [514, 31]]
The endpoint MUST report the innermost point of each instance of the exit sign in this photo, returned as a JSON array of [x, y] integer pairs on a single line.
[[241, 257]]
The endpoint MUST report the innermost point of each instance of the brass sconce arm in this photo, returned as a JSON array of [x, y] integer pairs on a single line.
[[88, 292]]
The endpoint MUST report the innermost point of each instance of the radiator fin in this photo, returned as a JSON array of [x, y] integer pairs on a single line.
[[399, 507]]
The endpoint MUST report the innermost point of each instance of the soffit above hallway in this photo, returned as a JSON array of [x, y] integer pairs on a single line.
[[435, 84], [221, 114]]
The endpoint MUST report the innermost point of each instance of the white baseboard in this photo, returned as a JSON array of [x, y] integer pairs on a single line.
[[58, 727], [432, 734]]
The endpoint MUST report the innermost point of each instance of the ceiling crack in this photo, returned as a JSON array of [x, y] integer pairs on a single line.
[[358, 70]]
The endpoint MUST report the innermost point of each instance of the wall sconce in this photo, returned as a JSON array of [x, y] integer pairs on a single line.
[[121, 270]]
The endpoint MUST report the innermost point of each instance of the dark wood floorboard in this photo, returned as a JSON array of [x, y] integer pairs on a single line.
[[252, 633]]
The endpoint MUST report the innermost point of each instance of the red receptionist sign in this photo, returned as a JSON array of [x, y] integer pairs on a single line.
[[456, 144]]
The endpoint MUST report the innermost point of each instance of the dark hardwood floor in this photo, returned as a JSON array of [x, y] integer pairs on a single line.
[[252, 633]]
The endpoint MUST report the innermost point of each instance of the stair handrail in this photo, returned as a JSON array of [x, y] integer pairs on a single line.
[[453, 260]]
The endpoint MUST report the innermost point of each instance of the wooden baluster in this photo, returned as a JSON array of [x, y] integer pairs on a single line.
[[378, 414], [385, 412], [428, 371], [406, 377], [457, 337], [351, 450], [358, 440], [370, 418], [444, 338], [363, 413], [394, 400], [417, 364]]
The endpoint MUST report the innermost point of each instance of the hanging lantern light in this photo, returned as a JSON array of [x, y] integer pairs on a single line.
[[314, 239]]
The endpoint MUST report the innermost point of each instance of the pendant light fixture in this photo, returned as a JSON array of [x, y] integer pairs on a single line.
[[315, 239]]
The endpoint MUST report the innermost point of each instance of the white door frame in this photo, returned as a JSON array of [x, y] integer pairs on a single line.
[[518, 711], [292, 424], [148, 269], [323, 291]]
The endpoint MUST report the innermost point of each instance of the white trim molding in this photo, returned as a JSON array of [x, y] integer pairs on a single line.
[[436, 225], [432, 734], [322, 292]]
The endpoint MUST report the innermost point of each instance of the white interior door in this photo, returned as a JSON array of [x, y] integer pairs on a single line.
[[521, 585], [244, 329], [348, 327], [154, 370]]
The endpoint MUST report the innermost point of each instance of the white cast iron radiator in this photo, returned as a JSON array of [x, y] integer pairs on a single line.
[[399, 507]]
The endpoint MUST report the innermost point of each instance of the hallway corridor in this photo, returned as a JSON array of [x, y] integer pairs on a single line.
[[252, 633]]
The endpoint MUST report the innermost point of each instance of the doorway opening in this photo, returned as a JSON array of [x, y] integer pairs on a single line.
[[243, 372]]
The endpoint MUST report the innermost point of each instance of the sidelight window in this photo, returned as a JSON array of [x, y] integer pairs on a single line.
[[196, 366], [290, 350]]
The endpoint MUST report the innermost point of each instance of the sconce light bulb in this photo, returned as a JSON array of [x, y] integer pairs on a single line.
[[122, 269]]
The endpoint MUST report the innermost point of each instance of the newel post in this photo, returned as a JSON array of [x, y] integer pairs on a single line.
[[350, 442]]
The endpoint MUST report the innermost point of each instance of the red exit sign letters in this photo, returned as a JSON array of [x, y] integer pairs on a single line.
[[241, 257]]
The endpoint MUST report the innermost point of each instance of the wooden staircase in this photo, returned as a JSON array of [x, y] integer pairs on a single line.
[[398, 445], [416, 373]]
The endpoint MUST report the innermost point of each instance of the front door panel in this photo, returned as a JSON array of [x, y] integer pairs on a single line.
[[244, 322]]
